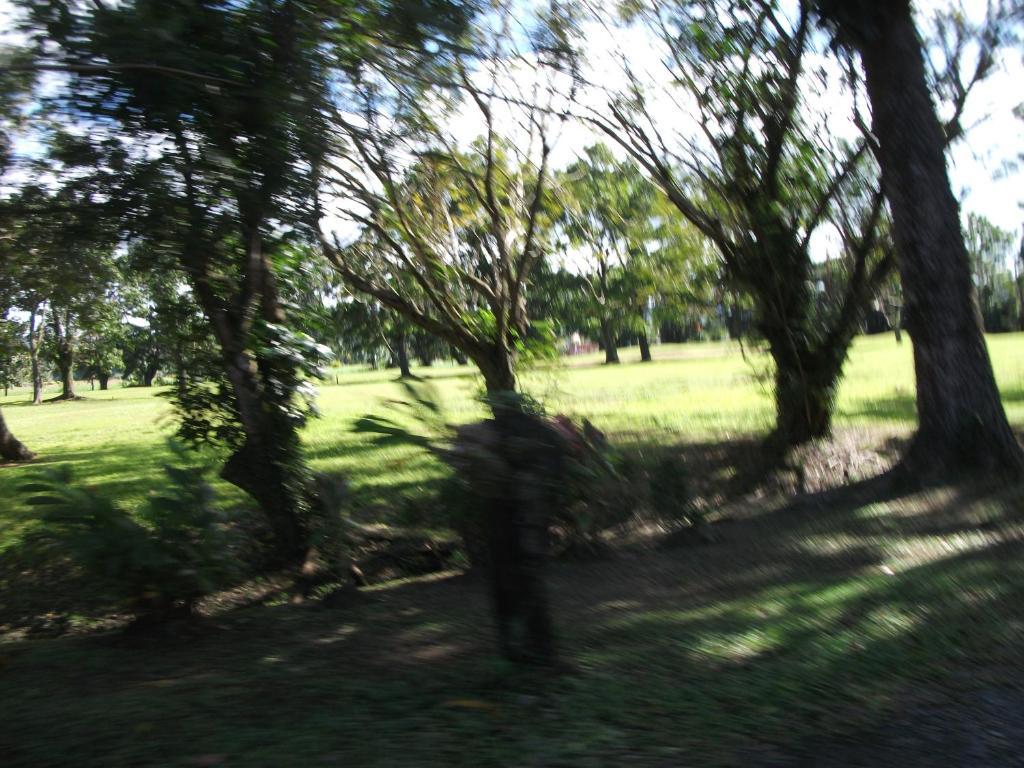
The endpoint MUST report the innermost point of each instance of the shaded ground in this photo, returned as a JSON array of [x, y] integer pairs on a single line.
[[978, 724], [850, 627]]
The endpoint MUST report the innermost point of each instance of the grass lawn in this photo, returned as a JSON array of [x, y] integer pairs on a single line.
[[843, 628], [114, 439]]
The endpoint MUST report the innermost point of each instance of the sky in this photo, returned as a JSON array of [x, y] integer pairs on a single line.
[[978, 164]]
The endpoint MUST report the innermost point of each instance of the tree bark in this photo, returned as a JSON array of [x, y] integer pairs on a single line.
[[268, 465], [149, 373], [645, 347], [37, 380], [11, 449], [263, 465], [804, 398], [402, 355], [498, 369], [611, 352], [65, 352], [35, 339], [962, 424], [104, 379], [181, 377]]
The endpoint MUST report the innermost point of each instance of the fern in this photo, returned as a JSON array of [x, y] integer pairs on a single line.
[[161, 560]]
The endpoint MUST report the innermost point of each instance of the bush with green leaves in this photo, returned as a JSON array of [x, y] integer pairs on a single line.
[[599, 489], [597, 494], [156, 563]]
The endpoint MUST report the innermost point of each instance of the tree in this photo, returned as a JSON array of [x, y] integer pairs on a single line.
[[100, 342], [36, 337], [758, 175], [13, 357], [173, 333], [1018, 278], [605, 212], [559, 296], [962, 424], [11, 449], [235, 96], [450, 237], [141, 353], [449, 241], [221, 191], [12, 89], [77, 292], [62, 239], [674, 274], [991, 252]]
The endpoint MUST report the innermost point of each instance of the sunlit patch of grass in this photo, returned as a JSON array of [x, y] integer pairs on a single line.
[[114, 439]]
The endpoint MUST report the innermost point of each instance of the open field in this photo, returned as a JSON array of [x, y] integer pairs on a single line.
[[857, 626], [114, 439]]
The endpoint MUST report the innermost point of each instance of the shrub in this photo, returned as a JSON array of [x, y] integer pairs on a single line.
[[156, 564], [597, 494], [668, 490], [591, 494]]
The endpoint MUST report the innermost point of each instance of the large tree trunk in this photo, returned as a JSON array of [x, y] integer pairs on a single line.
[[37, 379], [807, 372], [149, 373], [265, 465], [11, 449], [67, 379], [608, 339], [805, 392], [962, 424], [402, 355], [104, 379], [268, 465], [498, 369], [181, 378], [645, 347]]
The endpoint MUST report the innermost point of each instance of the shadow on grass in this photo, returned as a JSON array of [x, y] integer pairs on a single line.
[[119, 470], [791, 642], [903, 408]]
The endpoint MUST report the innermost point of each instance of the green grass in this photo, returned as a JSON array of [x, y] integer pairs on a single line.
[[114, 439], [806, 622]]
